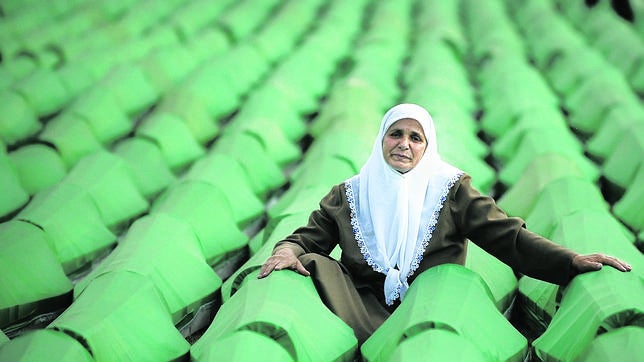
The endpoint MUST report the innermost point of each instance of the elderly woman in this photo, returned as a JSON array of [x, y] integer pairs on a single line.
[[405, 212]]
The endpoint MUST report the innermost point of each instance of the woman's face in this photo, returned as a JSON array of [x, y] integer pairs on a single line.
[[404, 144]]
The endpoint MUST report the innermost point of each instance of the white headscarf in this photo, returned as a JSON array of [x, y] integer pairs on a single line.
[[393, 214]]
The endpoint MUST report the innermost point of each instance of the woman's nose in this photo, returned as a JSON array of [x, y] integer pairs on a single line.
[[404, 144]]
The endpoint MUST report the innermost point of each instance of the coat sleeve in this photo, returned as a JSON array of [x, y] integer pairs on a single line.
[[480, 220], [321, 233]]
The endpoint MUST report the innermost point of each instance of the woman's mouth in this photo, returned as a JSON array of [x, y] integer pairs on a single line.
[[399, 156]]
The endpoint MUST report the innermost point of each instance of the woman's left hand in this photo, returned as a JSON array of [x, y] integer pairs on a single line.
[[592, 262]]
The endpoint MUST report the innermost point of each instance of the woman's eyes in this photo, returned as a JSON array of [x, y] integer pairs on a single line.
[[414, 136]]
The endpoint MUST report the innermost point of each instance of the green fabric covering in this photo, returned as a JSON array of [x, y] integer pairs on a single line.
[[452, 121], [122, 316], [622, 46], [230, 177], [311, 67], [42, 345], [193, 111], [535, 305], [159, 37], [72, 222], [629, 207], [17, 68], [593, 303], [546, 32], [491, 32], [278, 148], [621, 165], [77, 77], [38, 167], [545, 123], [562, 197], [166, 251], [243, 17], [18, 120], [98, 63], [166, 67], [542, 170], [567, 74], [275, 230], [352, 102], [285, 307], [437, 345], [619, 121], [279, 228], [593, 115], [130, 87], [636, 79], [280, 86], [3, 339], [14, 194], [299, 199], [44, 91], [295, 78], [140, 16], [204, 207], [208, 43], [483, 175], [173, 137], [504, 102], [285, 29], [590, 102], [350, 147], [99, 109], [372, 72], [499, 277], [236, 347], [210, 82], [590, 231], [111, 185], [29, 273], [534, 145], [263, 104], [435, 66], [325, 53], [255, 244], [452, 298], [263, 173], [193, 17], [249, 64], [439, 93], [624, 343], [147, 164], [454, 124], [323, 174], [72, 137]]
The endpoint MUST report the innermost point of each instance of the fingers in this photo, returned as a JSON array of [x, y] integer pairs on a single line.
[[278, 262], [592, 262], [300, 269], [616, 263]]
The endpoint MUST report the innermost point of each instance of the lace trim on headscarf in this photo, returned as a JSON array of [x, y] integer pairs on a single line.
[[433, 220], [357, 232], [418, 255]]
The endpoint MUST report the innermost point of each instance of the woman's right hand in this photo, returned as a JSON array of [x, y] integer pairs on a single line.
[[282, 259]]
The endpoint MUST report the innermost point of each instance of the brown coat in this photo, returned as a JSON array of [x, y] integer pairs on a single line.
[[466, 214]]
